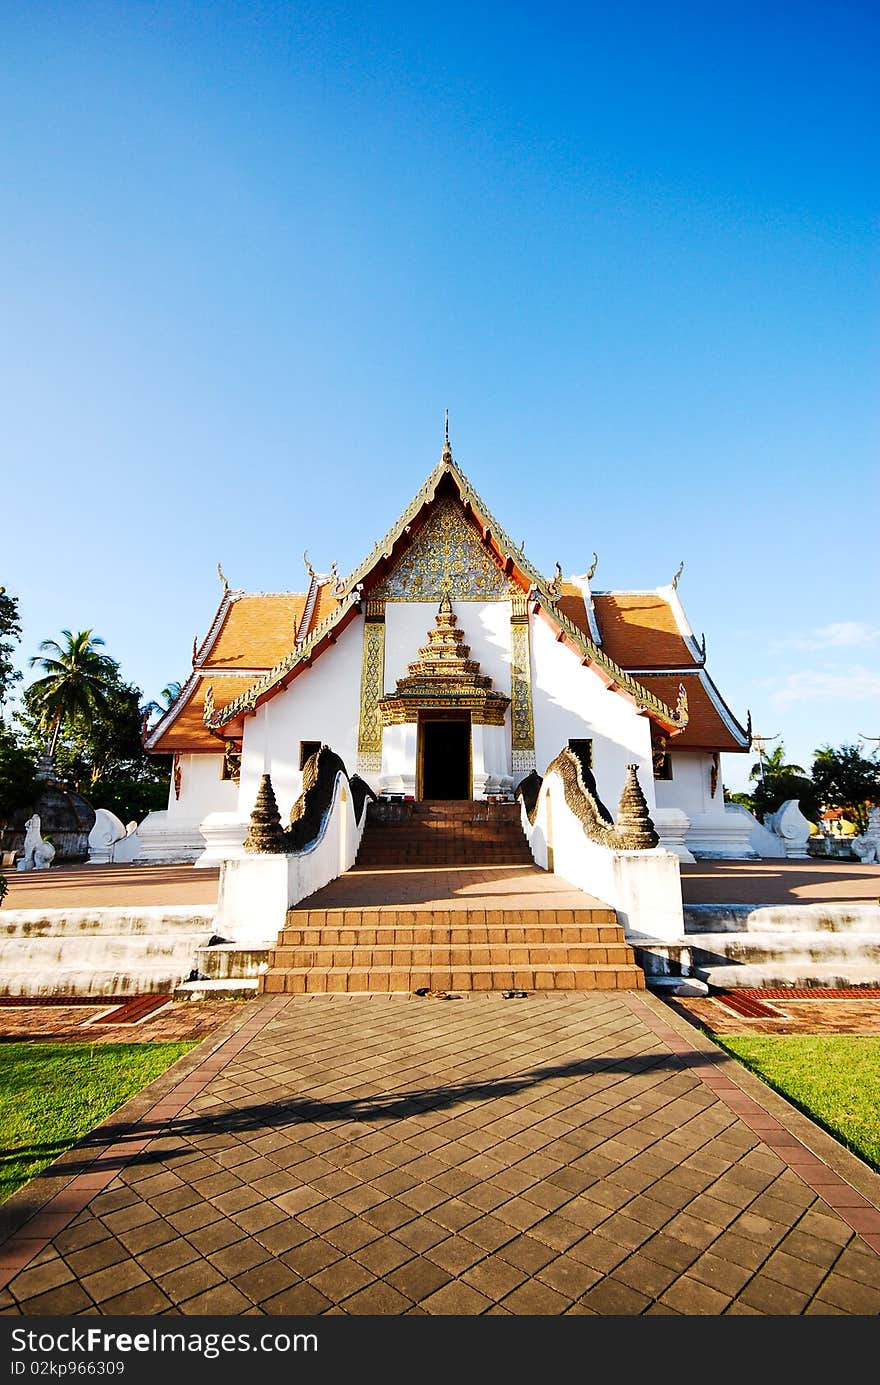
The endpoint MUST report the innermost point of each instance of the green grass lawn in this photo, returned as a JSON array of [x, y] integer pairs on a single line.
[[53, 1094], [834, 1078]]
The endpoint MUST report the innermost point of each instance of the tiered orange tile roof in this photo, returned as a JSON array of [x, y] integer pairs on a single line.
[[250, 632], [639, 630], [257, 630]]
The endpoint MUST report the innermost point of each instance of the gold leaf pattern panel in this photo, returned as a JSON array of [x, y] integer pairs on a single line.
[[447, 558], [522, 724], [372, 687]]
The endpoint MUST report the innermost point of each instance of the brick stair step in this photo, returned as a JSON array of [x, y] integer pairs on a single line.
[[377, 917], [452, 936], [436, 955], [359, 980]]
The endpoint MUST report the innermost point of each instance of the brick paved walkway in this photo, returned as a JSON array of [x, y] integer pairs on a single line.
[[175, 1021], [586, 1153], [854, 1015]]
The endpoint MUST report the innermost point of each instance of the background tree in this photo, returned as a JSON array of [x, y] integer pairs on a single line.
[[10, 632], [17, 766], [169, 695], [845, 778], [76, 677], [779, 782], [101, 754], [17, 774]]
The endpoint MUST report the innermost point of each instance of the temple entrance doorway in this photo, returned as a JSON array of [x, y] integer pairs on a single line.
[[445, 755]]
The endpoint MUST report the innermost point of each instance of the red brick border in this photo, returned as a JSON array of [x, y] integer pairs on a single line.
[[713, 1068], [37, 1233]]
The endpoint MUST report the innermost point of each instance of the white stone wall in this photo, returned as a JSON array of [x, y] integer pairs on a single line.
[[689, 787], [643, 887], [715, 829], [256, 891], [570, 701], [202, 789]]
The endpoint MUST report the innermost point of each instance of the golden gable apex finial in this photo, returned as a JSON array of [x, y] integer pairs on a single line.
[[447, 450]]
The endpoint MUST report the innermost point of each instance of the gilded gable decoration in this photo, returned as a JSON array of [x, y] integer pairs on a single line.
[[447, 559]]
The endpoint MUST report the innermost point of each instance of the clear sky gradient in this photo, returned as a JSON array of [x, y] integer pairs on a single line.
[[249, 252]]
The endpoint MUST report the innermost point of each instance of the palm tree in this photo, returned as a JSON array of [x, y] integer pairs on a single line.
[[76, 678], [169, 695], [772, 765]]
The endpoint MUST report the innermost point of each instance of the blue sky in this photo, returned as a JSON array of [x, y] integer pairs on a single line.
[[250, 252]]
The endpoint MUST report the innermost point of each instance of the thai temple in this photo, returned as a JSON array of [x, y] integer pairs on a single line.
[[445, 666]]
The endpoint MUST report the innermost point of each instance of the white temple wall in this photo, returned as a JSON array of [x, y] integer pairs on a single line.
[[202, 789], [569, 700], [321, 704], [486, 626], [689, 787]]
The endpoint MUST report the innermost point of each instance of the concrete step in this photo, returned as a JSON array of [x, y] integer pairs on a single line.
[[771, 975], [784, 918], [709, 949], [94, 981], [240, 988], [440, 955], [106, 921], [41, 955], [362, 980], [228, 961]]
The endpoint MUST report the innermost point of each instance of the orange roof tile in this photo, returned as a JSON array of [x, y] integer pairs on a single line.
[[257, 631], [706, 728], [638, 630], [188, 731]]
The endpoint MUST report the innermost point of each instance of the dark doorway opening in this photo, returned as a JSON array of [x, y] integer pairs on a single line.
[[446, 759]]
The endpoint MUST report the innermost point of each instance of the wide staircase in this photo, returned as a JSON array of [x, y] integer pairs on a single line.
[[437, 833], [444, 897]]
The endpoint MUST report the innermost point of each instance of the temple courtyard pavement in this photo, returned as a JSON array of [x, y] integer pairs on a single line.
[[706, 882], [587, 1153]]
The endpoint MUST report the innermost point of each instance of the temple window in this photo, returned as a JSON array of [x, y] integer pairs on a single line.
[[306, 750]]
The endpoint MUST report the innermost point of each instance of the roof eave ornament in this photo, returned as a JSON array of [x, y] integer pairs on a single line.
[[677, 577], [446, 457], [681, 707]]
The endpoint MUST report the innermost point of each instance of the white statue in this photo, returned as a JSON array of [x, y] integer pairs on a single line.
[[109, 839], [867, 846], [789, 823], [38, 855]]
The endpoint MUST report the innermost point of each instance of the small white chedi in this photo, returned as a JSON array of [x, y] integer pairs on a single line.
[[38, 855]]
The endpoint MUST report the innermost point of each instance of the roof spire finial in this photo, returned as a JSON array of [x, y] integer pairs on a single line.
[[447, 450]]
